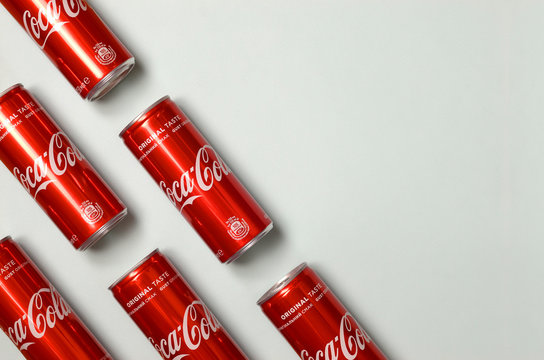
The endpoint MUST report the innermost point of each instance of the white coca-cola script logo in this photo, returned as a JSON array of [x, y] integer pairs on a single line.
[[350, 340], [198, 325], [61, 155], [42, 25], [39, 317], [204, 174]]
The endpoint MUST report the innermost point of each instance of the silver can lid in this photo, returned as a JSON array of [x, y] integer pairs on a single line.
[[143, 113], [18, 85], [5, 238], [135, 267], [282, 283], [111, 80]]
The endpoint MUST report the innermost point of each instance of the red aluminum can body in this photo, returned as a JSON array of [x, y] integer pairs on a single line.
[[76, 40], [35, 316], [170, 314], [314, 321], [196, 180], [54, 172]]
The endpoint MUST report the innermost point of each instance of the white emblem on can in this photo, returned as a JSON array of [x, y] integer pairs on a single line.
[[91, 212], [105, 55], [237, 228]]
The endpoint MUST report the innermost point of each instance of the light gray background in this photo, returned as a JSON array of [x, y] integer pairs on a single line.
[[397, 146]]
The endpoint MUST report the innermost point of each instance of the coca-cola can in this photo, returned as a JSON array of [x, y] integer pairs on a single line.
[[196, 180], [35, 316], [54, 172], [77, 41], [170, 314], [314, 321]]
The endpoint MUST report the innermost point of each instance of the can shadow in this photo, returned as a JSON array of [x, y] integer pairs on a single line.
[[125, 225], [133, 80], [137, 74], [269, 245], [216, 142], [350, 307], [120, 234], [272, 242], [31, 254], [209, 303]]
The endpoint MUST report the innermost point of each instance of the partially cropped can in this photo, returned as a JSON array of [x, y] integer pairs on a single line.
[[170, 314], [54, 172], [196, 180], [314, 321], [35, 316], [77, 41]]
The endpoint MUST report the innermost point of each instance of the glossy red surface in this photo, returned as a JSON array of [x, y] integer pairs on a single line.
[[176, 322], [314, 321], [196, 180], [35, 316], [53, 171], [76, 40]]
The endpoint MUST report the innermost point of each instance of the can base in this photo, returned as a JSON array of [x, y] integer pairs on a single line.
[[106, 228], [250, 244], [110, 80]]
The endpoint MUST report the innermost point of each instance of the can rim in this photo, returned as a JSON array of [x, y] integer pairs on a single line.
[[10, 88], [111, 80], [142, 114], [104, 230], [5, 238], [126, 274], [282, 283], [251, 243]]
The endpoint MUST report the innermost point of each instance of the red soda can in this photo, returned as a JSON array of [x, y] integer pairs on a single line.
[[314, 321], [170, 314], [54, 172], [36, 317], [77, 41], [196, 180]]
